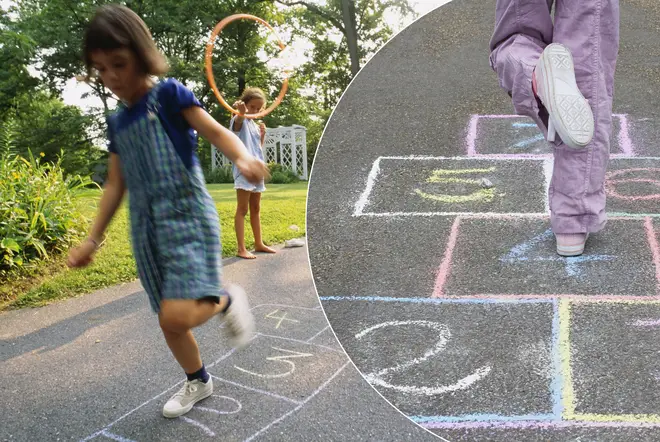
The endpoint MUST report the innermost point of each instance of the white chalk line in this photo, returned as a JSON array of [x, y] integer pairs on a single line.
[[302, 404], [497, 215], [257, 390], [213, 410], [444, 335], [200, 425], [226, 355], [462, 384], [317, 334], [461, 214], [548, 164], [107, 427], [298, 341], [116, 437], [281, 358], [285, 306], [364, 197]]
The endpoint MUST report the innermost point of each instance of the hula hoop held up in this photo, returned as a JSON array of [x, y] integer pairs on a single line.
[[209, 65]]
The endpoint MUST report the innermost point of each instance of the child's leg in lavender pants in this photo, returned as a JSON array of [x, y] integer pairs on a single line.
[[590, 30], [522, 30]]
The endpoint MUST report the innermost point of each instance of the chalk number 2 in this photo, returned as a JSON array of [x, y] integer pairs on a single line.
[[379, 377]]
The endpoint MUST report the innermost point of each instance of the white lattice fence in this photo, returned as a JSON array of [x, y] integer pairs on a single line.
[[283, 145]]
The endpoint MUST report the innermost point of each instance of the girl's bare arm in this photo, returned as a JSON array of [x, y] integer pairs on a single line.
[[224, 139], [238, 123], [113, 193]]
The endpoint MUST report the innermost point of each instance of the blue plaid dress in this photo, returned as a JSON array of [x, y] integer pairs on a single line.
[[175, 228]]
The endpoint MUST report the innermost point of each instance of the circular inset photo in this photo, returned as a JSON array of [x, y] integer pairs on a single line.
[[482, 221]]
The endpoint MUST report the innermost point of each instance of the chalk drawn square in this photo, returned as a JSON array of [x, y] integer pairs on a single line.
[[231, 414], [289, 321], [517, 257], [282, 367], [493, 359], [614, 361], [427, 185], [515, 135], [633, 186]]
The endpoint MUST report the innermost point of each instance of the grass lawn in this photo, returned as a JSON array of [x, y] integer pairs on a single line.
[[281, 206]]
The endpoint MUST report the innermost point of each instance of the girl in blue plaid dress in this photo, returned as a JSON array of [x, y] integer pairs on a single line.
[[175, 227]]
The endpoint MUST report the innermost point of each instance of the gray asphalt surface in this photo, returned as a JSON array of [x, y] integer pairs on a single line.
[[445, 290], [97, 368]]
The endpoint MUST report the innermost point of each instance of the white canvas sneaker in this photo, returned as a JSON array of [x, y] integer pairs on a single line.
[[184, 399], [238, 317], [570, 115]]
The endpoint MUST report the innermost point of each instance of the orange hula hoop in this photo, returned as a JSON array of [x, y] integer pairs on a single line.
[[209, 67]]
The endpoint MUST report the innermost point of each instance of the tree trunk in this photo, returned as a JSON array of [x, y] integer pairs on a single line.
[[348, 14], [241, 81]]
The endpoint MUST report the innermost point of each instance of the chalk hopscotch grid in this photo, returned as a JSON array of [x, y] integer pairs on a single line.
[[364, 198], [625, 142], [105, 431], [563, 414], [628, 152], [561, 387], [561, 384]]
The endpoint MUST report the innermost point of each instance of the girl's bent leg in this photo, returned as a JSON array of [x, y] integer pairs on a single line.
[[184, 348], [255, 221], [177, 318], [523, 29], [242, 207], [590, 30], [179, 315]]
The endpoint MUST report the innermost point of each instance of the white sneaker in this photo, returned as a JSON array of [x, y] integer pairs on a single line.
[[571, 244], [184, 399], [570, 115], [239, 319]]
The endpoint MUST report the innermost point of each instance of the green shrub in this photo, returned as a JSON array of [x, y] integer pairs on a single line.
[[37, 214], [221, 175], [280, 175]]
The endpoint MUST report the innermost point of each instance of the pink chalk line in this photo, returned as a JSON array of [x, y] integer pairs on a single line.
[[611, 188], [655, 249], [443, 272], [624, 135]]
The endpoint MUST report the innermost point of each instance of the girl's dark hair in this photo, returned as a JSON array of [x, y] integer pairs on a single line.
[[116, 27]]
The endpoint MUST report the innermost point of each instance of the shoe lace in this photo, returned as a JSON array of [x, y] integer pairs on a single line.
[[188, 388]]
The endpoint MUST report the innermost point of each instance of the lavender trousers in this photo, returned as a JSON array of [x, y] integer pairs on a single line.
[[590, 30]]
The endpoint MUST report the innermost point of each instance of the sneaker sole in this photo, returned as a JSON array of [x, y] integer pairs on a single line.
[[570, 112], [570, 250], [187, 408], [575, 250]]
